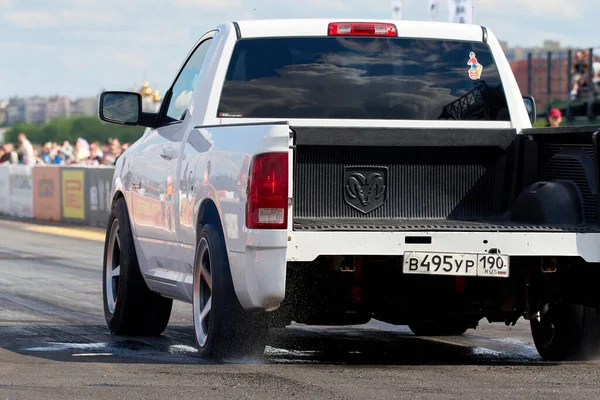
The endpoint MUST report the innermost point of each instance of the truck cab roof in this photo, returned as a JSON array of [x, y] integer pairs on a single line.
[[319, 27]]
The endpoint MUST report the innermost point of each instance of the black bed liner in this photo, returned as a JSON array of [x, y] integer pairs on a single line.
[[438, 179], [406, 137], [563, 130]]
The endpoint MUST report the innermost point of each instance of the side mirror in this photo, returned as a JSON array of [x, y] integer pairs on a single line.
[[531, 108], [124, 108]]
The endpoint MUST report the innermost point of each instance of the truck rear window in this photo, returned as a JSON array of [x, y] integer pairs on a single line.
[[363, 78]]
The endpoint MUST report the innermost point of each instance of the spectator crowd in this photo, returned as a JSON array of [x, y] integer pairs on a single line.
[[581, 73], [51, 153]]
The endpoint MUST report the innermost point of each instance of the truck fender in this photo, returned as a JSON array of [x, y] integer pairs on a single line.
[[549, 202]]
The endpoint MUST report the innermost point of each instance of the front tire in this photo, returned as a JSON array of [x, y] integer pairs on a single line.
[[223, 329], [130, 308]]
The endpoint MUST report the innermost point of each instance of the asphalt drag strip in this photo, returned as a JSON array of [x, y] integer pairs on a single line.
[[54, 344]]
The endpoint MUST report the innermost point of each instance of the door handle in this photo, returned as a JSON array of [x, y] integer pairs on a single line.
[[169, 153]]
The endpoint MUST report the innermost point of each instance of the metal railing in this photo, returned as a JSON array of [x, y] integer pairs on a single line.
[[549, 78]]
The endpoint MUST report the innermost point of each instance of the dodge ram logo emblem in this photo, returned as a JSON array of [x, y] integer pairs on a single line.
[[365, 187]]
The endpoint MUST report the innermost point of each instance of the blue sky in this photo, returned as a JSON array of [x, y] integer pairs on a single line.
[[79, 47]]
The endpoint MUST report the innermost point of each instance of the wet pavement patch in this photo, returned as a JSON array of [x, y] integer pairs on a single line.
[[67, 347], [182, 349], [303, 345]]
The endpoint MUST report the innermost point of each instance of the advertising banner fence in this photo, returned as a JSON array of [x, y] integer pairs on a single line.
[[20, 199], [98, 182], [55, 193], [4, 188], [73, 194], [46, 193]]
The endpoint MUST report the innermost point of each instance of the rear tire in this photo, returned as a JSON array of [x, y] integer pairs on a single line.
[[438, 328], [130, 308], [563, 331], [223, 328]]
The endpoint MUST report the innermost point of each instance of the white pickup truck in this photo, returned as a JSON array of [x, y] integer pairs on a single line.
[[329, 172]]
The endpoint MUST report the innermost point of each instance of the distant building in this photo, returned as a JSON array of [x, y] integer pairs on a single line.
[[3, 112], [36, 110], [533, 79], [85, 106], [31, 110], [58, 107], [559, 87], [521, 53], [15, 111], [44, 109]]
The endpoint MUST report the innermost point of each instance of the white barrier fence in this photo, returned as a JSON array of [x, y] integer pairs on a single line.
[[20, 199], [4, 189]]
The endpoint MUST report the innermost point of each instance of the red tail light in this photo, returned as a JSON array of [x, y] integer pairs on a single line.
[[267, 202], [362, 29]]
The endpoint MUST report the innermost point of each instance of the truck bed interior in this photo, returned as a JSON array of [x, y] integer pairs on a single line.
[[445, 179]]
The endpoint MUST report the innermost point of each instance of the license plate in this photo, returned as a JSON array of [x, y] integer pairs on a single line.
[[454, 264]]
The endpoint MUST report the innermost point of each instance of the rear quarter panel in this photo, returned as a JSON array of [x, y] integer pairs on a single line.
[[215, 167]]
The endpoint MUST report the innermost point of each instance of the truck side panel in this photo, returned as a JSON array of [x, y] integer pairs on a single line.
[[214, 168]]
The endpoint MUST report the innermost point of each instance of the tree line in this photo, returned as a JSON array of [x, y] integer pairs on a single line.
[[90, 128]]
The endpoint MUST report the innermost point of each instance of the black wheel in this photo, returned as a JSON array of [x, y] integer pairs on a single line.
[[223, 328], [562, 331], [130, 308], [439, 328]]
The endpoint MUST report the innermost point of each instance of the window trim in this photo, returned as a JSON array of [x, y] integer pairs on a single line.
[[164, 107], [486, 43]]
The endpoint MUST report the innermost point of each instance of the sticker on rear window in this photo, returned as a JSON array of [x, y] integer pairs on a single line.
[[230, 115], [476, 68]]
